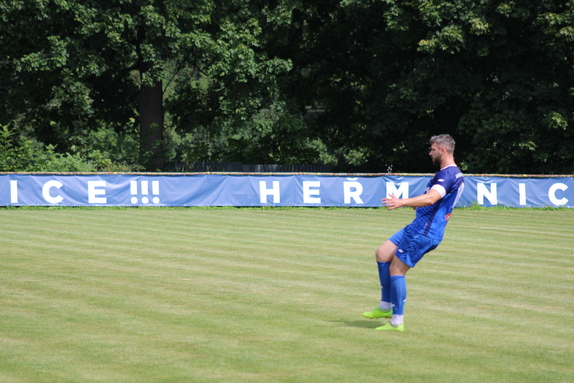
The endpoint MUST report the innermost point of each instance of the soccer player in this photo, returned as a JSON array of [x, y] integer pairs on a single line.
[[405, 248]]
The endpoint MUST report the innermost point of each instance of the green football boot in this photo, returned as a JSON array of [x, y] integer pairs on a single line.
[[378, 313], [390, 327]]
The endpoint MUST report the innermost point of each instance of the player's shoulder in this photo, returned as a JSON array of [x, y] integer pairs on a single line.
[[451, 172], [449, 177]]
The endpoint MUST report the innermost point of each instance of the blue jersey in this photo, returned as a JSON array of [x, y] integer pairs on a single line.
[[431, 220]]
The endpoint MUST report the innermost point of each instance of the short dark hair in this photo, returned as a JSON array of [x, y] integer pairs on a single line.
[[444, 141]]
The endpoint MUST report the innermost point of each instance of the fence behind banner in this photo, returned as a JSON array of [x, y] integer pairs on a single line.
[[273, 189], [239, 167]]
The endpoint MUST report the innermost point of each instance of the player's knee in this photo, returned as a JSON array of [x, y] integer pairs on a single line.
[[383, 255], [398, 267]]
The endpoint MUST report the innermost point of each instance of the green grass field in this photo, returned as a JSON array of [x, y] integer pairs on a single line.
[[276, 295]]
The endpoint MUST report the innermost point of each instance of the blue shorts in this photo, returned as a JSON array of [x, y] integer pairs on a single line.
[[412, 246]]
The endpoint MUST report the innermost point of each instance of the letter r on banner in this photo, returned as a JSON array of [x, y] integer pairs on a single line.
[[353, 190], [274, 191]]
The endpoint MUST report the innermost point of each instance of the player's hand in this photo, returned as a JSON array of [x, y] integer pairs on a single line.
[[392, 202]]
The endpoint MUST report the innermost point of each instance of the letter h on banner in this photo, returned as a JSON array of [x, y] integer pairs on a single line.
[[274, 191]]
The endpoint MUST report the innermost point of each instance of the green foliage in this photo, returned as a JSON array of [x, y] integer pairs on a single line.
[[75, 66], [20, 154], [274, 136], [10, 155], [498, 77], [245, 79]]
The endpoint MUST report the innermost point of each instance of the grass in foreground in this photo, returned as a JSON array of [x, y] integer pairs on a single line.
[[272, 295]]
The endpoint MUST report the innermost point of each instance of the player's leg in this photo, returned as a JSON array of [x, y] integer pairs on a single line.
[[384, 256], [409, 252], [398, 271], [386, 252], [398, 289]]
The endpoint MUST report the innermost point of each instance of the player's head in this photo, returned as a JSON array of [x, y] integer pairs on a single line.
[[443, 141]]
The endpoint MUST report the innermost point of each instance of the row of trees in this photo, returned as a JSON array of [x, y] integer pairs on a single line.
[[358, 84]]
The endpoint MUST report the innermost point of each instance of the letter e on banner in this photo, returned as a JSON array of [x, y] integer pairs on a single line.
[[308, 192], [93, 191]]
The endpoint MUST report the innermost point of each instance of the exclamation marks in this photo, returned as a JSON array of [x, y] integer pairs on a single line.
[[144, 186]]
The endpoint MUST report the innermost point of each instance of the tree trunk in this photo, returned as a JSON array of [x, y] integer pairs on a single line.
[[150, 102]]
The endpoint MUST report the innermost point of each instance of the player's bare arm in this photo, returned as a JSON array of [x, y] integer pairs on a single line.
[[392, 202]]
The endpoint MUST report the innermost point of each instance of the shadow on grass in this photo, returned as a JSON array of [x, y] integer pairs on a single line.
[[362, 323]]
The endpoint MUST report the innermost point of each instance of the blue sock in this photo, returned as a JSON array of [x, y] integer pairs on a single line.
[[385, 279], [398, 293]]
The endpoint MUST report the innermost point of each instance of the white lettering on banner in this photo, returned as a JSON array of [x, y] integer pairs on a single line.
[[352, 190], [94, 190], [349, 191], [401, 192], [46, 191], [144, 185], [308, 192], [482, 191], [552, 194], [522, 194], [275, 191], [13, 191], [155, 191]]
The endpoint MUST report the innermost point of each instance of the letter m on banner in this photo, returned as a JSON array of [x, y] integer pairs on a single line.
[[402, 191]]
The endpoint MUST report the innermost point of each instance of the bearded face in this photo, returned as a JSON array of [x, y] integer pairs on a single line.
[[436, 154]]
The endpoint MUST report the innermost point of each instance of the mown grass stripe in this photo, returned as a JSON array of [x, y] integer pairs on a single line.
[[249, 295]]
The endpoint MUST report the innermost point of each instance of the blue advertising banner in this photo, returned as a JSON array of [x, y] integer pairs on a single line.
[[269, 190]]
